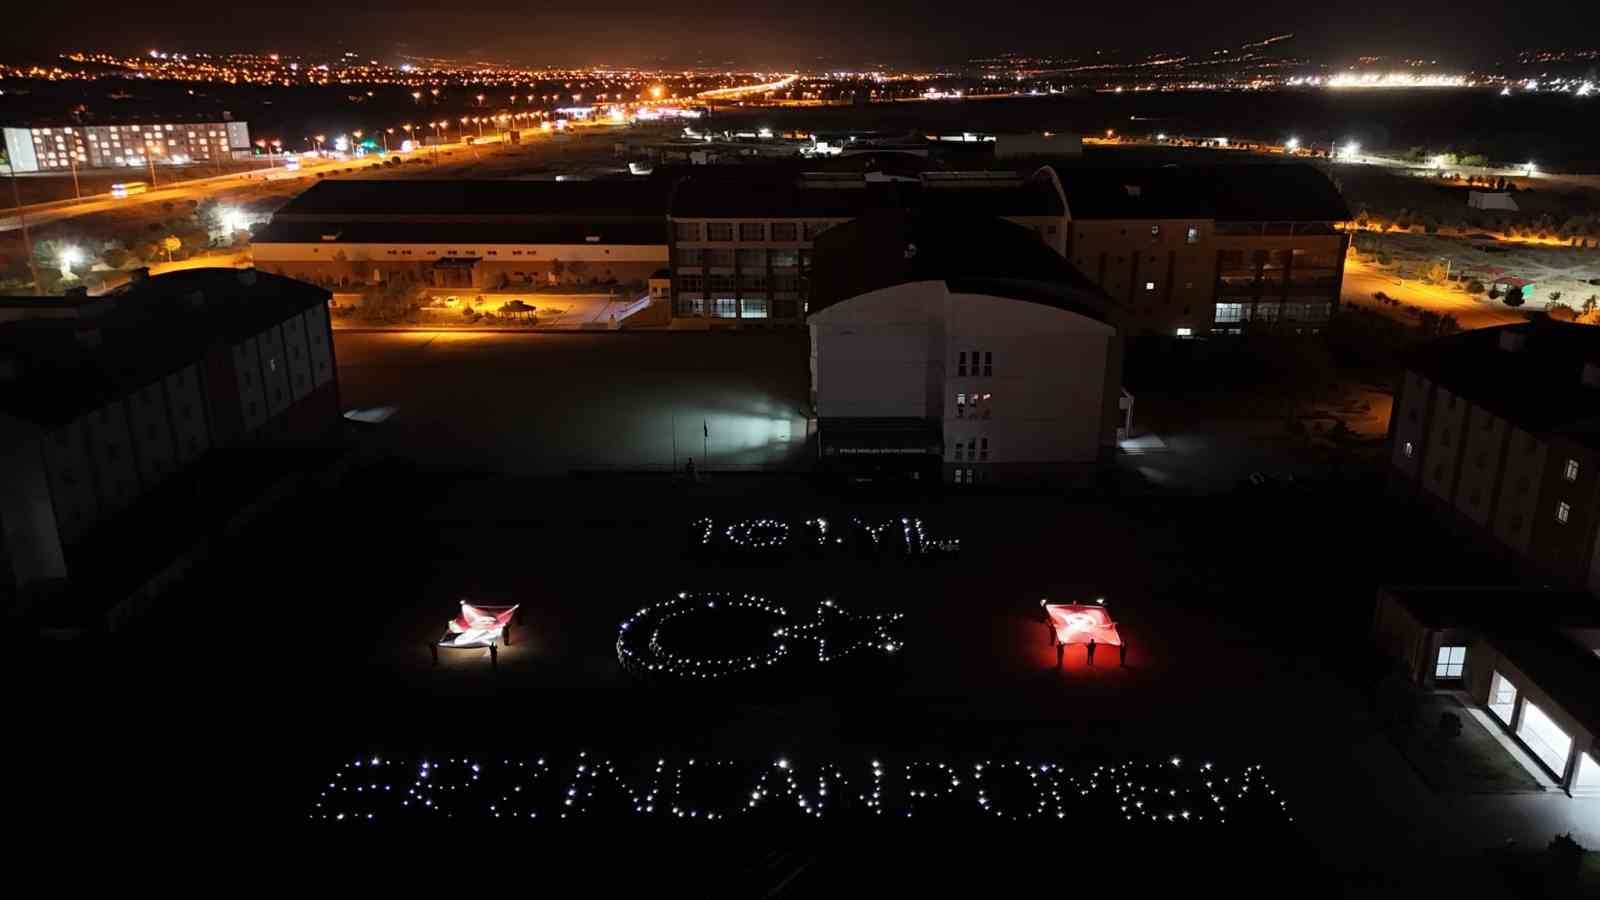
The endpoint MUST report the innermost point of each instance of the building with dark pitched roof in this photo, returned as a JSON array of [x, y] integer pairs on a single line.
[[113, 409], [957, 348], [1498, 430]]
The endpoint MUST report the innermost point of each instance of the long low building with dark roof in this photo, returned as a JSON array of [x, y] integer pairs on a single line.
[[471, 235], [959, 349]]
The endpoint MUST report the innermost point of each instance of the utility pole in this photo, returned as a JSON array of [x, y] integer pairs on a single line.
[[22, 218]]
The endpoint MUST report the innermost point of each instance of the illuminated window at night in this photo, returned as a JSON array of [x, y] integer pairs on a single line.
[[1193, 235], [1409, 449], [1149, 285], [1155, 231], [1563, 512], [961, 405], [1230, 312], [1571, 473], [1451, 661], [1502, 698], [1544, 737], [1185, 332]]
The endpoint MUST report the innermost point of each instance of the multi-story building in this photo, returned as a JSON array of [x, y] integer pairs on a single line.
[[59, 148], [471, 234], [1498, 430], [1217, 250], [114, 410], [741, 238], [957, 348]]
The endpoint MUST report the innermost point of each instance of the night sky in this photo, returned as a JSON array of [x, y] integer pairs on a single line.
[[812, 34]]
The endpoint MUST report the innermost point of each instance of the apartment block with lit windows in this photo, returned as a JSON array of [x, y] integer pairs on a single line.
[[1498, 431], [1186, 252], [59, 148]]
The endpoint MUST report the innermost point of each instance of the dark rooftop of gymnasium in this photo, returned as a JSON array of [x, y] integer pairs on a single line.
[[478, 200], [72, 354], [983, 255], [1531, 374]]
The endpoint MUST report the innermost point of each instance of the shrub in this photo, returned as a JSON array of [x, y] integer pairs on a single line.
[[1514, 297], [1449, 725], [1474, 286], [1554, 296], [1560, 312], [1494, 293]]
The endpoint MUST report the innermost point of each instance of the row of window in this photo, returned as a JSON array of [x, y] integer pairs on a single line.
[[746, 257], [1272, 311], [746, 281], [986, 369], [736, 307], [974, 406], [975, 450], [749, 231]]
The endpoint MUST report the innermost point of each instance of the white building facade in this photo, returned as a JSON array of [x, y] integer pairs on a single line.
[[999, 379]]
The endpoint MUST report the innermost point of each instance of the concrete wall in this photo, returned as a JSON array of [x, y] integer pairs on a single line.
[[894, 353], [28, 529], [1519, 491], [1410, 419], [1442, 449], [1484, 435]]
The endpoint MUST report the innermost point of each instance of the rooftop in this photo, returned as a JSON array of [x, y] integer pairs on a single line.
[[1539, 385], [1243, 192], [59, 367], [478, 200], [790, 192], [981, 255], [363, 232]]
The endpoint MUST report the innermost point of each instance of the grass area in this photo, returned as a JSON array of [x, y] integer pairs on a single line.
[[1473, 762]]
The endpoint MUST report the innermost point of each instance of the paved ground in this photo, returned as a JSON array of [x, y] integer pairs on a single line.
[[1363, 280], [548, 403]]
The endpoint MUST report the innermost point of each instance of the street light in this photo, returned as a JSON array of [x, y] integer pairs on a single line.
[[69, 257], [1532, 169], [1291, 145], [416, 97], [1351, 150]]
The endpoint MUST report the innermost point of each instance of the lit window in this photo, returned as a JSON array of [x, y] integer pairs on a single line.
[[1563, 512], [1409, 450], [1185, 332], [1193, 236], [1451, 661], [1149, 285], [1155, 231], [961, 405], [1571, 474]]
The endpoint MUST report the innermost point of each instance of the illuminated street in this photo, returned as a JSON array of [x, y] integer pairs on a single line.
[[1362, 281]]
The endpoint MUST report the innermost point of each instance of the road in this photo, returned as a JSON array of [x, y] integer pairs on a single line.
[[1362, 280], [200, 188]]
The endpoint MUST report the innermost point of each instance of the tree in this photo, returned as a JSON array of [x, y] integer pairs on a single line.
[[1475, 159], [1514, 297], [1474, 286]]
